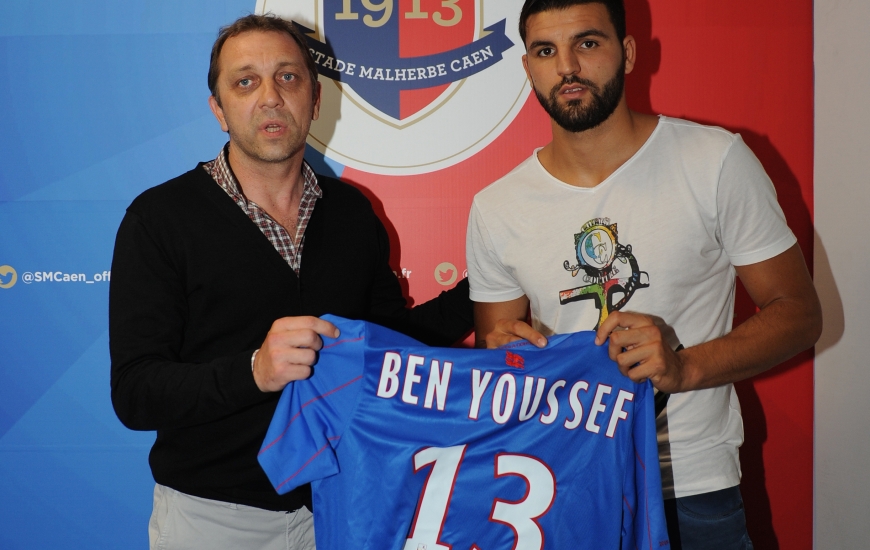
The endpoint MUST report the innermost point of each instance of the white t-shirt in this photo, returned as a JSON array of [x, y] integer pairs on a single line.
[[660, 236]]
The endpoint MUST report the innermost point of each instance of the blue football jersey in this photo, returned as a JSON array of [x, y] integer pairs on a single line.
[[410, 447]]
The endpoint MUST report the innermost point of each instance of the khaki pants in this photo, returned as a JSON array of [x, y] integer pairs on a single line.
[[184, 522]]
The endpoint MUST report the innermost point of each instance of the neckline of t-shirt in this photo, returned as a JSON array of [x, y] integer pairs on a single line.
[[611, 177]]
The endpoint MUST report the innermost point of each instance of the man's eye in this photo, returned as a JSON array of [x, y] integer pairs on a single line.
[[288, 77], [588, 44], [245, 82], [545, 52]]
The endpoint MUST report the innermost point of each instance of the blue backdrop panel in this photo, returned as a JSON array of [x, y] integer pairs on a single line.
[[98, 101]]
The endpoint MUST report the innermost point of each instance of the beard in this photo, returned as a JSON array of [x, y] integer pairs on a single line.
[[574, 116]]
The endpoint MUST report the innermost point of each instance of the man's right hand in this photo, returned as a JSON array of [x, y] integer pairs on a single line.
[[511, 330], [500, 323], [289, 351]]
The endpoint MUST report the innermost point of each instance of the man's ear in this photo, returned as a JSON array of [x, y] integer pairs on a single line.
[[218, 112], [629, 47], [528, 73], [315, 113]]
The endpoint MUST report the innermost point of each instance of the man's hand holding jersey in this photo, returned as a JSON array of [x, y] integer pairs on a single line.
[[289, 351], [639, 344]]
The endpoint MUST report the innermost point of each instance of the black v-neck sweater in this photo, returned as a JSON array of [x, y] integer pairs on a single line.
[[196, 287]]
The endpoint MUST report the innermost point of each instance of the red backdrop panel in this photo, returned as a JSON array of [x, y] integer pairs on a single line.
[[743, 65]]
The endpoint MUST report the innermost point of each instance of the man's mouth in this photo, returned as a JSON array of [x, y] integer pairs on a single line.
[[575, 86], [273, 128]]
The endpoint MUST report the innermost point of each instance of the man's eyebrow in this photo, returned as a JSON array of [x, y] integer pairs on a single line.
[[250, 67], [539, 43], [589, 33], [582, 35], [241, 69]]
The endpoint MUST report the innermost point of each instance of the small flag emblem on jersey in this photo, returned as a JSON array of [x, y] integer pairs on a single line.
[[514, 360]]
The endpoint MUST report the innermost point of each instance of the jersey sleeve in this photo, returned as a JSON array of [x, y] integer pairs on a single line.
[[644, 524], [489, 280], [313, 414], [752, 225]]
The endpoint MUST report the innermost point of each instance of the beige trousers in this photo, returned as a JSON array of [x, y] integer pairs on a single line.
[[184, 522]]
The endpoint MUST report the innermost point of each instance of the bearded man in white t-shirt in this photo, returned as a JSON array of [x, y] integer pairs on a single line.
[[635, 226]]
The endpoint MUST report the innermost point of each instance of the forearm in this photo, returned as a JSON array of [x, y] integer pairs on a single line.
[[446, 318], [442, 321], [154, 394], [788, 321], [774, 334]]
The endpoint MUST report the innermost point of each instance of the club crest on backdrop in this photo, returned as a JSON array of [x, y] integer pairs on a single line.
[[410, 86]]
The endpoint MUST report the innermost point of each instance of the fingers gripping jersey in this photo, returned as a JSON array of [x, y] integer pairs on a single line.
[[410, 447]]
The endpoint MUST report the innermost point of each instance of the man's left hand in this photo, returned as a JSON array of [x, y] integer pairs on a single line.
[[640, 349]]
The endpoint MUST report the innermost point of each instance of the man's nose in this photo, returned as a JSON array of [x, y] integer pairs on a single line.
[[270, 95], [567, 63]]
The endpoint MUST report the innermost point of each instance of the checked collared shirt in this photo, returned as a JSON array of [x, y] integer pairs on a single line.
[[289, 248]]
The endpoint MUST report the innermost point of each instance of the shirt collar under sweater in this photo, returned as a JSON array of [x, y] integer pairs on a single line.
[[289, 248]]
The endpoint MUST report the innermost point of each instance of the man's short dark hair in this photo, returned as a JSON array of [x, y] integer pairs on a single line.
[[615, 8], [262, 23]]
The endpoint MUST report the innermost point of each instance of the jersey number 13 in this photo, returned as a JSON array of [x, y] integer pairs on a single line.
[[521, 516]]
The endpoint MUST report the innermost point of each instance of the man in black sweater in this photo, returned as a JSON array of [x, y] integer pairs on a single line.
[[213, 305]]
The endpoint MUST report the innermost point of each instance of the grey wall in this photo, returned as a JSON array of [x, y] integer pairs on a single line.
[[842, 274]]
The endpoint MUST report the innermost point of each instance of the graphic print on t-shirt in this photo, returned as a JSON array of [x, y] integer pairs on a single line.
[[609, 269]]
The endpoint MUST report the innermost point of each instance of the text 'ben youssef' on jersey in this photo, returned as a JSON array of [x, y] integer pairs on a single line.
[[410, 447]]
